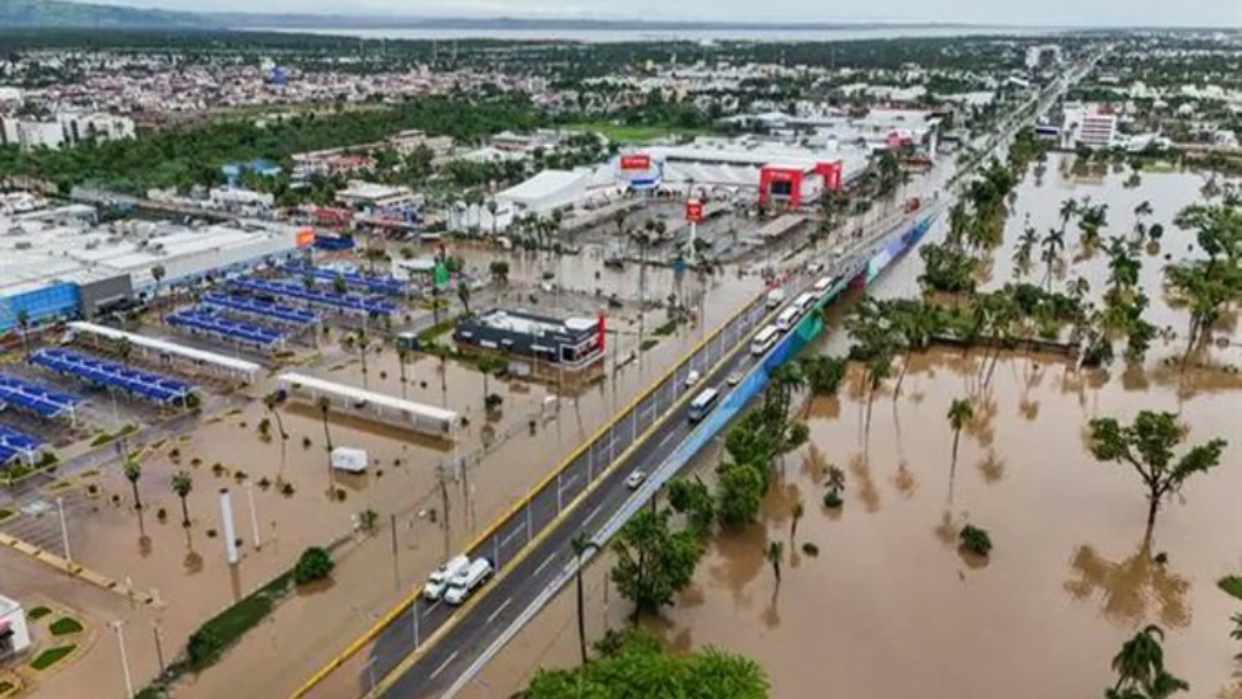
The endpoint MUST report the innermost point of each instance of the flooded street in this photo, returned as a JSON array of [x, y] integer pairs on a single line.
[[889, 606]]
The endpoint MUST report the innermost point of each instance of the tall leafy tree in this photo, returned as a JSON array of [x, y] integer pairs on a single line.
[[1147, 446], [653, 561], [1140, 669]]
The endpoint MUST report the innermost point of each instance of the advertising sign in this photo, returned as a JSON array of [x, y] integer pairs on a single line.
[[636, 161], [694, 211]]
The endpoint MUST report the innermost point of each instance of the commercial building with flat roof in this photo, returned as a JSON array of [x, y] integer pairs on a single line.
[[571, 342], [71, 269]]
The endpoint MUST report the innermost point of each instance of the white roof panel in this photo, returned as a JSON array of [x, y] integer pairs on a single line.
[[430, 412], [230, 363]]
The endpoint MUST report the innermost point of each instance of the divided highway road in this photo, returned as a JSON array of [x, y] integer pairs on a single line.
[[478, 623]]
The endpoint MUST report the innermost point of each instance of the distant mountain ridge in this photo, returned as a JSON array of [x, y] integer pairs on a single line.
[[58, 14], [54, 14]]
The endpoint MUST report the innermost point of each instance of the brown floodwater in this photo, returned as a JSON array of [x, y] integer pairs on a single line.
[[187, 569], [890, 606]]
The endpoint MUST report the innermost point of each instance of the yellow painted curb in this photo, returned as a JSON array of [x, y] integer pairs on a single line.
[[371, 633]]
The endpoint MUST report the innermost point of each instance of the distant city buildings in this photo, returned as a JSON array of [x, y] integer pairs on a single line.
[[64, 130]]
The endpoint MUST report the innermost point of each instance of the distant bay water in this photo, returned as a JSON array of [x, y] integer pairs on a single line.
[[638, 35]]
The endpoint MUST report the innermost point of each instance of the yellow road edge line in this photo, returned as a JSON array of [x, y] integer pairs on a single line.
[[371, 633], [413, 657]]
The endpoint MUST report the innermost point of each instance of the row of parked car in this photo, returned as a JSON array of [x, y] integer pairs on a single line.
[[457, 578]]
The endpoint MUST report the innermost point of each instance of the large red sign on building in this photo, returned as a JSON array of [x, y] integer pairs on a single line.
[[694, 210], [636, 161]]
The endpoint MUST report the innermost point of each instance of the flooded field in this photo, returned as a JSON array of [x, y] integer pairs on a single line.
[[889, 606]]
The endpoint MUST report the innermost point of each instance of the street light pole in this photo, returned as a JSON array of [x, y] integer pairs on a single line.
[[159, 645], [118, 626], [64, 529]]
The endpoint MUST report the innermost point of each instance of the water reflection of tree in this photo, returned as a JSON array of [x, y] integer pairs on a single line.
[[868, 493], [740, 557], [992, 468], [1132, 589]]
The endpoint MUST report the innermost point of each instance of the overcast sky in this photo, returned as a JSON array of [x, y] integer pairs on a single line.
[[1041, 13]]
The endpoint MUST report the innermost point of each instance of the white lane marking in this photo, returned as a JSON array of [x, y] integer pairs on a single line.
[[664, 441], [551, 557], [499, 609], [593, 513], [568, 480], [444, 664], [505, 541], [430, 608]]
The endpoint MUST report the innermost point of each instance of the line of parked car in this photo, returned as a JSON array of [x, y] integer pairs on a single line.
[[457, 578]]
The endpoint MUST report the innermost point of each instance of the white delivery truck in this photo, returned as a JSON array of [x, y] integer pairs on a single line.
[[468, 580], [440, 578]]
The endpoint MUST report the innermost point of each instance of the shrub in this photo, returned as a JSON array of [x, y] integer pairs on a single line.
[[1231, 585], [265, 483], [211, 533], [339, 494], [287, 490], [314, 564], [975, 540], [38, 613], [810, 549], [161, 514], [50, 657], [493, 401], [832, 500], [65, 626], [306, 442]]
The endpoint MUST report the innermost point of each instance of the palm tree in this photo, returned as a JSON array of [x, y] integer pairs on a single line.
[[133, 471], [492, 207], [124, 348], [1022, 256], [403, 357], [880, 368], [1069, 208], [774, 553], [272, 402], [339, 285], [182, 484], [1091, 220], [308, 281], [795, 514], [1052, 244], [23, 322], [961, 412], [325, 407], [463, 294], [580, 545], [158, 273]]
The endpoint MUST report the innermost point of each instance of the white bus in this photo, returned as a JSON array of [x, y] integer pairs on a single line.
[[804, 301], [703, 404], [764, 340], [787, 318]]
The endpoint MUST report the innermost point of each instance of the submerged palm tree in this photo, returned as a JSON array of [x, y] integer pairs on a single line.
[[961, 412], [133, 472], [776, 551], [580, 545], [325, 407], [182, 484], [1140, 669], [272, 402]]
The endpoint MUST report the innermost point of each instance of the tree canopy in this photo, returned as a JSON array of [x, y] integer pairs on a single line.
[[640, 667]]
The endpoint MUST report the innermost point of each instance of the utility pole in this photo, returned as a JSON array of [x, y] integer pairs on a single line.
[[159, 644], [64, 529], [118, 627]]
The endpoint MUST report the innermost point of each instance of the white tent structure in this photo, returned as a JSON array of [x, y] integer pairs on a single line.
[[425, 419]]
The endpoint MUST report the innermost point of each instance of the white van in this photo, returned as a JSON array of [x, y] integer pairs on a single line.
[[776, 297], [440, 579], [823, 284], [468, 580]]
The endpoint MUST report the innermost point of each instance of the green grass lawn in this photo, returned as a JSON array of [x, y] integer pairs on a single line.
[[65, 626], [624, 133], [38, 613], [51, 656]]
